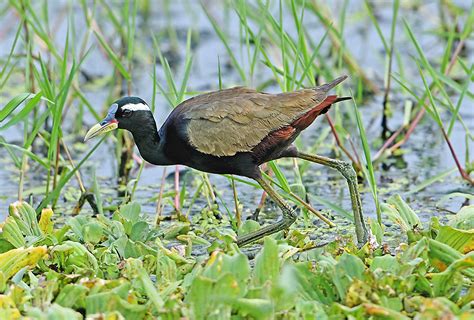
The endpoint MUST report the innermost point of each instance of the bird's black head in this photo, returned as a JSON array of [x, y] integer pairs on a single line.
[[130, 113]]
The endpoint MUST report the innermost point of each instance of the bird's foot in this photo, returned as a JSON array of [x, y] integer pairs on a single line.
[[255, 215]]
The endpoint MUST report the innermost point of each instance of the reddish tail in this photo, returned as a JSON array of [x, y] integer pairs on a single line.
[[305, 120]]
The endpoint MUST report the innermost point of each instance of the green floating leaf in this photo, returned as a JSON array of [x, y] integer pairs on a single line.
[[464, 219], [178, 228], [75, 256], [166, 269], [212, 297], [12, 233], [45, 223], [400, 212], [54, 311], [14, 260], [237, 264], [70, 294], [248, 226], [25, 217], [267, 263], [76, 224], [140, 231], [385, 263], [135, 269], [131, 211], [222, 282], [198, 297], [348, 268], [442, 256], [461, 240], [115, 300], [92, 232], [445, 281], [255, 308]]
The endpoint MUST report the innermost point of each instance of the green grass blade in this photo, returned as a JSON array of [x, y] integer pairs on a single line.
[[337, 209], [280, 176], [13, 104], [32, 103], [370, 175], [26, 152], [440, 176], [115, 60], [225, 42], [62, 182]]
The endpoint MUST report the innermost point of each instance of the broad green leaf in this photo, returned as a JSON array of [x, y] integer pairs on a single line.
[[25, 217], [385, 263], [70, 294], [198, 297], [140, 231], [131, 211], [442, 256], [92, 232], [45, 223], [248, 226], [12, 233], [461, 240], [14, 260], [348, 268], [254, 308], [399, 212], [110, 301], [445, 281], [54, 311], [166, 269], [267, 263], [464, 219], [221, 263]]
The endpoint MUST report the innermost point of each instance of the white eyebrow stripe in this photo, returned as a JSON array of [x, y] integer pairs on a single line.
[[135, 107]]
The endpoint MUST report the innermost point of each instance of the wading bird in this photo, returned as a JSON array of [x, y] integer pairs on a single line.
[[234, 131]]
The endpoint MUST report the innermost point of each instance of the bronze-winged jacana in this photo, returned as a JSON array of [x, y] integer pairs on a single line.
[[234, 131]]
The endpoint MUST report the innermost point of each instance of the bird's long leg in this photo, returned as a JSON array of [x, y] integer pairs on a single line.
[[289, 216], [345, 168]]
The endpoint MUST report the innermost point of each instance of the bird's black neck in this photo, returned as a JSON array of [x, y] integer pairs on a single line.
[[149, 142]]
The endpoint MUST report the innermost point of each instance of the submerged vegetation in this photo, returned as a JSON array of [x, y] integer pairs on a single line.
[[92, 232]]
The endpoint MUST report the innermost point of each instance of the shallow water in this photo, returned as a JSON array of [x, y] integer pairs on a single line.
[[426, 153]]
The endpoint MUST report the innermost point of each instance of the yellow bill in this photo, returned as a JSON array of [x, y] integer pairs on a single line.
[[100, 129]]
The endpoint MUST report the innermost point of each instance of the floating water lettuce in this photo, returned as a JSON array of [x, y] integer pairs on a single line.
[[118, 267]]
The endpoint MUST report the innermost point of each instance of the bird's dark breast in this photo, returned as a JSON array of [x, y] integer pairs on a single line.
[[178, 149]]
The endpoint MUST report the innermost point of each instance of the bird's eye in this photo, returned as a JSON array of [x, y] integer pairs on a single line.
[[127, 113]]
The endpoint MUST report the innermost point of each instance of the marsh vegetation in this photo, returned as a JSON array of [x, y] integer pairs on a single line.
[[92, 231]]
